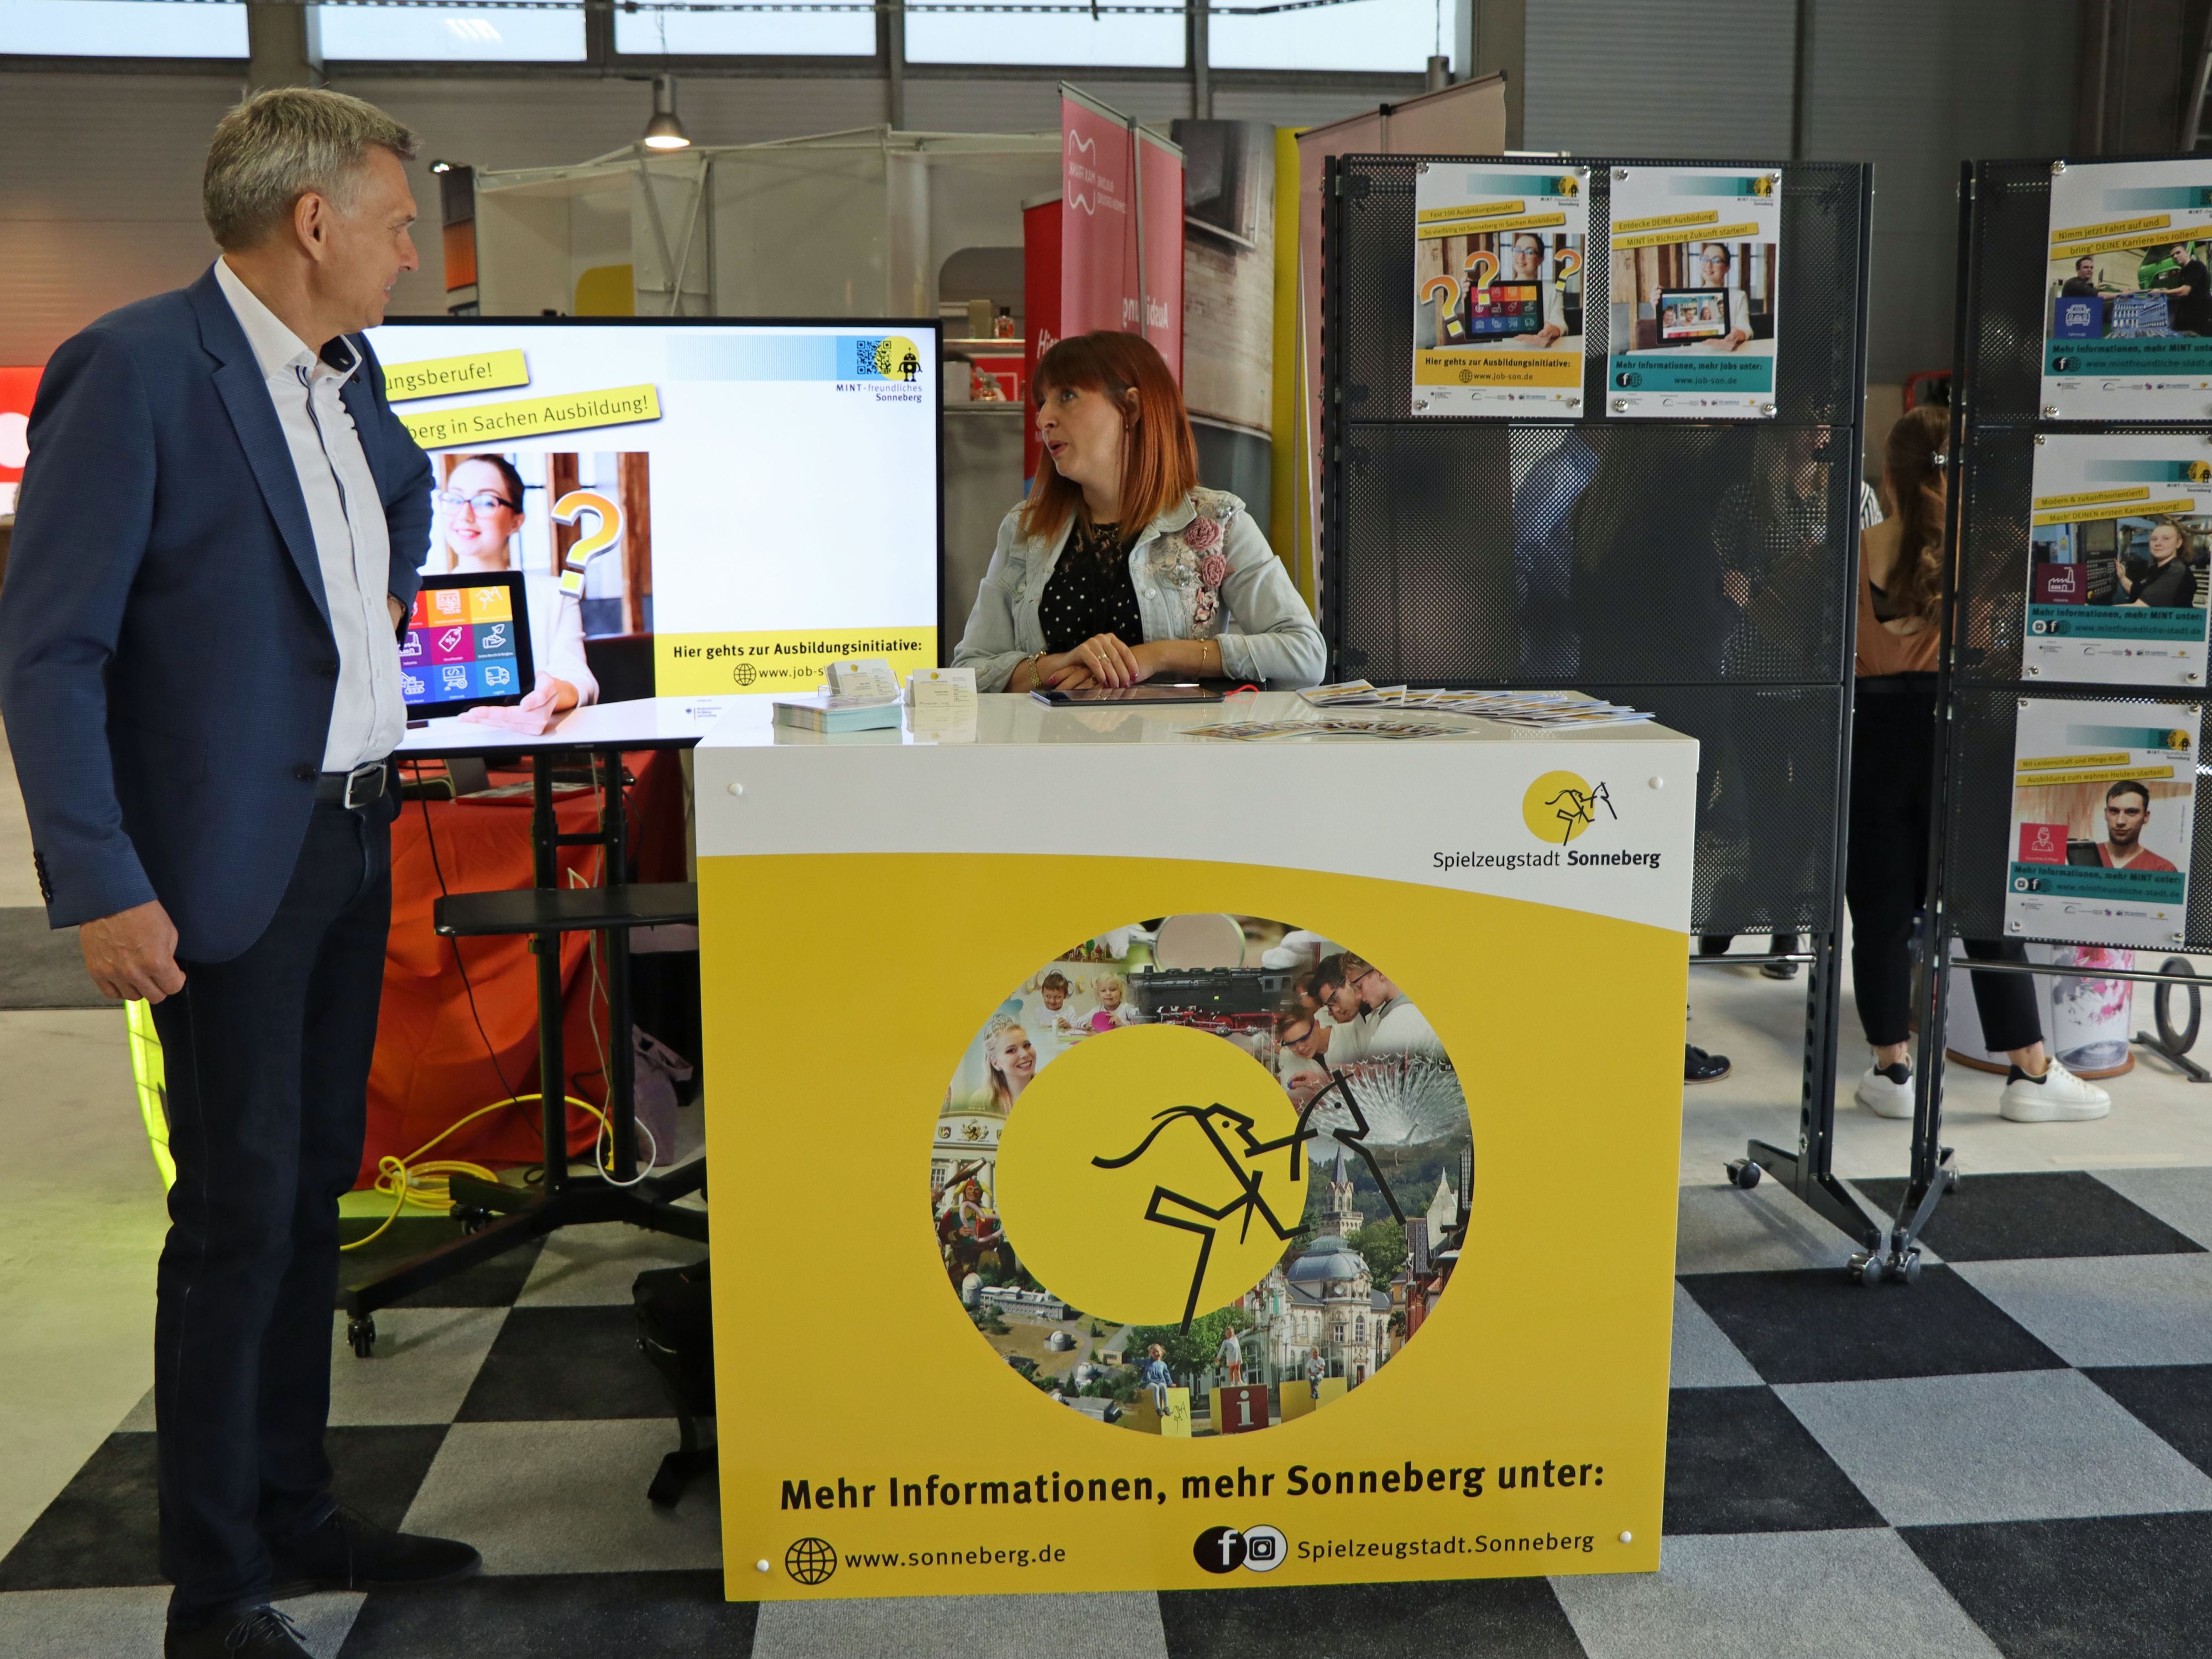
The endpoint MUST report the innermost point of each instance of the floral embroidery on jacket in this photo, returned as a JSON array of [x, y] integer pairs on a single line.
[[1190, 560]]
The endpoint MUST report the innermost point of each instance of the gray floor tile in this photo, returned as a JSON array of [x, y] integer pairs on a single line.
[[568, 1497], [127, 1624], [140, 1420], [426, 1360], [1126, 1626], [1721, 1229], [2180, 1197], [2013, 1446], [2108, 1310], [1773, 1596], [581, 1266], [1704, 1358]]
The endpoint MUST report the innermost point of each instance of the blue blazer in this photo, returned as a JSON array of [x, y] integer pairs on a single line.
[[166, 663]]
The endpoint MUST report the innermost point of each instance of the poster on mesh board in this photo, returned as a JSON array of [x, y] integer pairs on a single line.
[[2114, 592], [2127, 317], [1696, 257], [1498, 289], [2103, 809]]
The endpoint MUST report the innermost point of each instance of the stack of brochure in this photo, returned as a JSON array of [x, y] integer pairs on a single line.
[[826, 711], [1554, 709]]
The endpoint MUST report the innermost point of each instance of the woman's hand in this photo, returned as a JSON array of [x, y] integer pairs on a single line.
[[548, 701], [1103, 657]]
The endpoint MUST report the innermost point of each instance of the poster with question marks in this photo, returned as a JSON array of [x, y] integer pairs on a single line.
[[751, 501], [1696, 256], [1498, 288]]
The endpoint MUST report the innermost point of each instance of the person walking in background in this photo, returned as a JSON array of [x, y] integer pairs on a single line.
[[1893, 756], [215, 551]]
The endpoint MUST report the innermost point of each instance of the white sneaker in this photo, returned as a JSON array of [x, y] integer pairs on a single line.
[[1886, 1091], [2057, 1097]]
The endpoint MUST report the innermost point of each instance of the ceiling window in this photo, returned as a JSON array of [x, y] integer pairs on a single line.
[[1075, 36], [759, 33], [450, 34], [121, 28], [1388, 35]]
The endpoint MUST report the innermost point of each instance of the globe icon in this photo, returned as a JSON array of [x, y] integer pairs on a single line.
[[811, 1561]]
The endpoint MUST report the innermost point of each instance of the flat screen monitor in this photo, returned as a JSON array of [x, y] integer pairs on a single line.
[[735, 504], [467, 642], [1504, 308], [1692, 313]]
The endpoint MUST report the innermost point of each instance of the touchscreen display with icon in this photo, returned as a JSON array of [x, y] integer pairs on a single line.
[[467, 642]]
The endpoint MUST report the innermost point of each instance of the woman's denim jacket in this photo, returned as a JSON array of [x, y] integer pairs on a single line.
[[1202, 571]]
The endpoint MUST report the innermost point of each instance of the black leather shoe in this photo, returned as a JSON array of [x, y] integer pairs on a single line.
[[348, 1552], [256, 1633], [1699, 1067]]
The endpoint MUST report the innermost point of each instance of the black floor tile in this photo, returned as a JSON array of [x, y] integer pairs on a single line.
[[493, 1284], [2006, 1218], [565, 1364], [1497, 1618], [2175, 1401], [99, 1531], [668, 1615], [1816, 1326], [102, 1530], [1739, 1461], [2131, 1585]]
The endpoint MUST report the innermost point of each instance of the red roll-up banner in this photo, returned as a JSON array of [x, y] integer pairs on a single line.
[[1120, 217]]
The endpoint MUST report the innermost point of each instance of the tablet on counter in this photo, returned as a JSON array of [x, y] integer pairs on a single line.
[[1147, 693]]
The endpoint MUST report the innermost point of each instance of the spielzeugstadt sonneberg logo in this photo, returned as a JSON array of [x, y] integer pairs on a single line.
[[1558, 808]]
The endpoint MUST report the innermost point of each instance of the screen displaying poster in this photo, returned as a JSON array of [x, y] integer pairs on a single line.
[[2127, 317], [2116, 550], [735, 505], [1497, 290], [1696, 266], [2102, 807]]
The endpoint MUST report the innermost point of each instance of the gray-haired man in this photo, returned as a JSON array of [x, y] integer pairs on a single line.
[[219, 524]]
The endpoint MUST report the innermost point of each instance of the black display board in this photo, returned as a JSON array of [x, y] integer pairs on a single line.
[[1655, 562]]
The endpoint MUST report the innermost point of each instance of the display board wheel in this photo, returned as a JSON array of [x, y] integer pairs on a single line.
[[2181, 1040], [473, 1217], [1744, 1173], [1904, 1269], [1864, 1268], [362, 1333]]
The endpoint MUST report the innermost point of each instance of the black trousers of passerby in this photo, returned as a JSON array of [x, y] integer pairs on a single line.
[[1893, 756]]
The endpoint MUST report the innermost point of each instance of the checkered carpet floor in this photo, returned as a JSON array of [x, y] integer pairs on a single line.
[[2010, 1458]]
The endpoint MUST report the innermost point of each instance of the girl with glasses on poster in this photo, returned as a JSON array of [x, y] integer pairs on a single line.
[[480, 515]]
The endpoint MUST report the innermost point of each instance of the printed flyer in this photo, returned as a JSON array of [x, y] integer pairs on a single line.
[[1696, 267], [1497, 290], [2114, 545], [2102, 811], [2127, 317]]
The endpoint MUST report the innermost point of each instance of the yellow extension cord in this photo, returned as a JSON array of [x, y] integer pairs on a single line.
[[428, 1186]]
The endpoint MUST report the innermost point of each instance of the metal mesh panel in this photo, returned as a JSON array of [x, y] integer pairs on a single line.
[[2007, 252], [1817, 306], [1978, 799], [1767, 800], [1480, 553]]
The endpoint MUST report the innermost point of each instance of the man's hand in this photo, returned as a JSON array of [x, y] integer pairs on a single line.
[[133, 953]]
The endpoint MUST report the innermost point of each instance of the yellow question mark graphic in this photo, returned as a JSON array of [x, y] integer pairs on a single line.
[[1565, 263], [1481, 266], [602, 535], [1444, 291]]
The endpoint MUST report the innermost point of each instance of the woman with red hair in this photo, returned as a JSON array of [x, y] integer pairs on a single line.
[[1120, 567]]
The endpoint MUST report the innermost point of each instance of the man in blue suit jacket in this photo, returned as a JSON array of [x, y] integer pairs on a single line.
[[216, 542]]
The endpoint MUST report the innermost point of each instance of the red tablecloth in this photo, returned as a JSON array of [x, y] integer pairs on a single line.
[[431, 1066]]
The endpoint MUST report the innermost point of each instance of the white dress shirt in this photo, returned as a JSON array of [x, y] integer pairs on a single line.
[[352, 544]]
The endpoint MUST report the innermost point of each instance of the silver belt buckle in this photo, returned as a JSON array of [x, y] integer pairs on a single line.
[[372, 769]]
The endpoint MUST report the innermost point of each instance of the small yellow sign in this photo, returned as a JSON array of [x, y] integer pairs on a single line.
[[2109, 775], [532, 417], [2110, 228], [1663, 222], [1506, 369], [2134, 509], [1701, 233], [779, 660], [439, 377], [1469, 210], [1466, 227]]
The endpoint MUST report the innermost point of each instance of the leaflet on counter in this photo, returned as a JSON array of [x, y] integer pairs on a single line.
[[1696, 265], [1498, 289], [2102, 808], [2118, 524]]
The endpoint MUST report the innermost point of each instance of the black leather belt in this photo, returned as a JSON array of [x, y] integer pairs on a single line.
[[355, 789]]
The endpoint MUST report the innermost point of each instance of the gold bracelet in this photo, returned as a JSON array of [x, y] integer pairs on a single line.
[[1037, 673]]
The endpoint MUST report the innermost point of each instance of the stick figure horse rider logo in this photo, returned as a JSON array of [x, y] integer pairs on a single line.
[[1204, 1219]]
